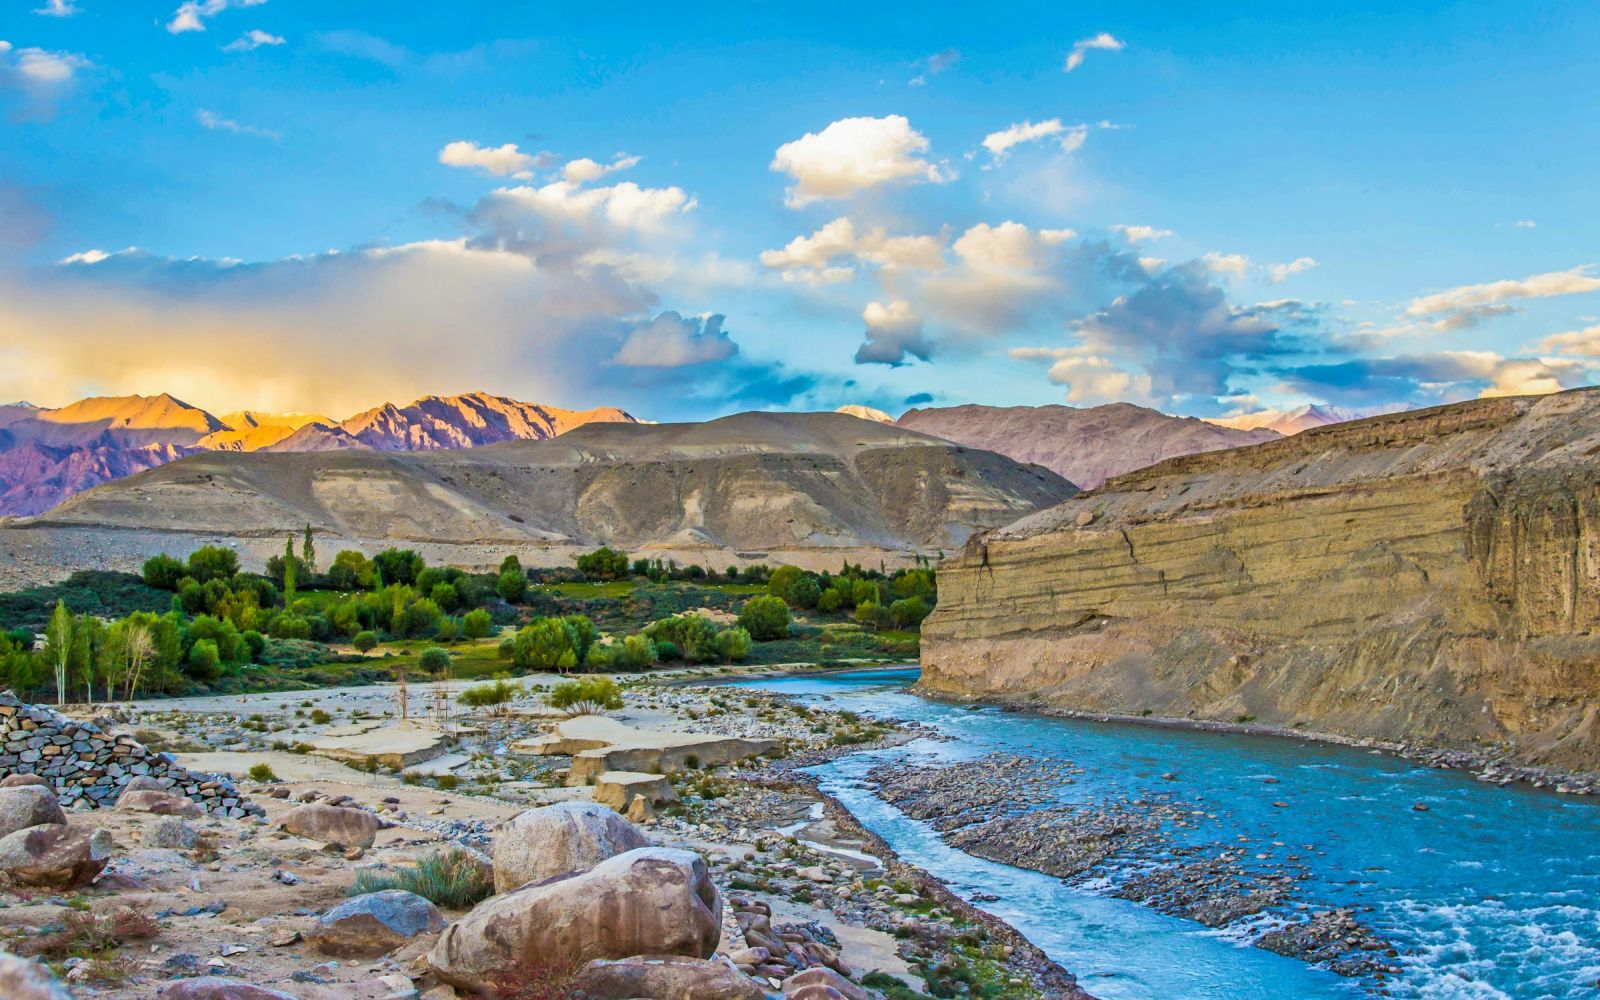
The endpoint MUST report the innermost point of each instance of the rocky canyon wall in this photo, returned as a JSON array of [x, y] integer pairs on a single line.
[[1429, 577]]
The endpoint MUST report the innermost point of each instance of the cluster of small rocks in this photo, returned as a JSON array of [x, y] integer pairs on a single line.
[[972, 791], [85, 764], [1500, 771], [1334, 938]]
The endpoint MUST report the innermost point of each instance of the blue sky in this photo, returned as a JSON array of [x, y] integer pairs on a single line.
[[286, 205]]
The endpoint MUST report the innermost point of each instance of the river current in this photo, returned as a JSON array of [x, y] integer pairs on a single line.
[[1488, 892]]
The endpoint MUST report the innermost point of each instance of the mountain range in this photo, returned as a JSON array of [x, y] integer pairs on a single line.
[[47, 455], [1303, 418]]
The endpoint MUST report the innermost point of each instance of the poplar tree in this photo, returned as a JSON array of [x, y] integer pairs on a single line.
[[288, 571], [308, 552], [59, 637]]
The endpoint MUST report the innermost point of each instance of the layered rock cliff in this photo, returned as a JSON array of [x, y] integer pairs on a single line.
[[1430, 576]]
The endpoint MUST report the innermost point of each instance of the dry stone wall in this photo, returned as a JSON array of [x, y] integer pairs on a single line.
[[86, 764]]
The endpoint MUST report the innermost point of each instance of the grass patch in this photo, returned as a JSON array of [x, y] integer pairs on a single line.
[[452, 879]]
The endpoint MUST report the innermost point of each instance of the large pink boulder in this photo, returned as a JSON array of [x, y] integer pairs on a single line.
[[220, 988], [340, 825], [21, 979], [649, 901], [159, 803], [664, 977], [55, 856], [22, 806]]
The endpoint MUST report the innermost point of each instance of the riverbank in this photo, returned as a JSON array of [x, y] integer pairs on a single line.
[[1489, 766]]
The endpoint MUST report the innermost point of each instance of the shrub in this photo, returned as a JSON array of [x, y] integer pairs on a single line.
[[320, 717], [434, 660], [908, 611], [507, 649], [365, 641], [476, 624], [732, 645], [82, 933], [604, 563], [163, 572], [765, 618], [589, 696], [546, 644], [637, 653], [453, 879], [213, 562], [261, 773], [490, 695], [512, 585]]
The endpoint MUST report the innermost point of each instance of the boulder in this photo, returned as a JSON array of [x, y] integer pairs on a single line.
[[664, 977], [171, 832], [332, 824], [161, 803], [220, 988], [374, 924], [820, 982], [55, 856], [618, 789], [144, 783], [649, 901], [22, 806], [568, 837], [21, 979], [20, 780]]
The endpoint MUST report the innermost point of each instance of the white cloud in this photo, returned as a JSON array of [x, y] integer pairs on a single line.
[[1583, 343], [1233, 265], [673, 341], [828, 255], [86, 257], [500, 161], [852, 155], [1104, 40], [58, 8], [1538, 286], [1141, 234], [1525, 224], [1278, 272], [40, 69], [251, 40], [1003, 276], [934, 65], [584, 170], [1010, 246], [1000, 143], [192, 15], [1089, 378], [893, 333], [624, 208], [1150, 265], [216, 123]]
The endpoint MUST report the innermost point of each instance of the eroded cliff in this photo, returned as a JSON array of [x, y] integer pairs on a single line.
[[1431, 577]]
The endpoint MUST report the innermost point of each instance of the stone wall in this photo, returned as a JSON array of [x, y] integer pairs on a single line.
[[86, 764], [1430, 578]]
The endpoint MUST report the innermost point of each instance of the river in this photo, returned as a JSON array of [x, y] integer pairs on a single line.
[[1488, 892]]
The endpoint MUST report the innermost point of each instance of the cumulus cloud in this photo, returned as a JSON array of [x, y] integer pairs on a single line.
[[582, 171], [58, 8], [499, 161], [1583, 343], [563, 217], [830, 254], [251, 40], [673, 341], [1141, 234], [1104, 41], [1445, 377], [1231, 265], [192, 16], [1089, 378], [216, 123], [1279, 272], [1000, 143], [934, 65], [1002, 275], [853, 155], [1525, 224], [1468, 304], [893, 333], [39, 77]]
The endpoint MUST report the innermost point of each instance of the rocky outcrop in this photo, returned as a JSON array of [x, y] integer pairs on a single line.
[[374, 924], [650, 901], [667, 977], [1430, 576], [29, 805], [555, 840], [84, 764], [345, 826], [220, 988], [55, 856]]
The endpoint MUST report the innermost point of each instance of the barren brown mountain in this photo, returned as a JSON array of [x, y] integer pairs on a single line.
[[1086, 446]]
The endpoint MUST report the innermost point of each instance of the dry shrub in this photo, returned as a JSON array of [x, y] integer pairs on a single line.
[[88, 934]]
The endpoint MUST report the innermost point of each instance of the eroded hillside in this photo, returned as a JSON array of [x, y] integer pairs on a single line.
[[1430, 576]]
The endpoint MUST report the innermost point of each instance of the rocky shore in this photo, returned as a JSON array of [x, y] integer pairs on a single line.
[[1155, 850]]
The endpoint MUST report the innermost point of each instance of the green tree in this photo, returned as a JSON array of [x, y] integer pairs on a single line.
[[637, 653], [805, 592], [908, 612], [604, 563], [398, 566], [308, 552], [205, 664], [351, 570], [782, 579], [290, 571], [870, 613], [58, 647], [444, 595], [512, 585], [163, 572], [365, 642], [477, 624], [732, 645], [213, 562], [765, 618], [511, 562], [546, 644], [435, 660], [583, 634], [830, 601]]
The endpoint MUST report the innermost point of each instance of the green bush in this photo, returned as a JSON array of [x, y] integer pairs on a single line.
[[604, 563], [476, 624], [588, 696], [732, 645], [452, 879], [320, 717], [490, 695], [365, 641], [765, 618], [163, 572], [546, 644], [434, 660], [512, 585], [261, 773]]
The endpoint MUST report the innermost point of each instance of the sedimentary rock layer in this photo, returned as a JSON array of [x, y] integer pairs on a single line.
[[1431, 577]]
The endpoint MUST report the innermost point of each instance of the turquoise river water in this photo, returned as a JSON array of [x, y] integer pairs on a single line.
[[1491, 892]]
